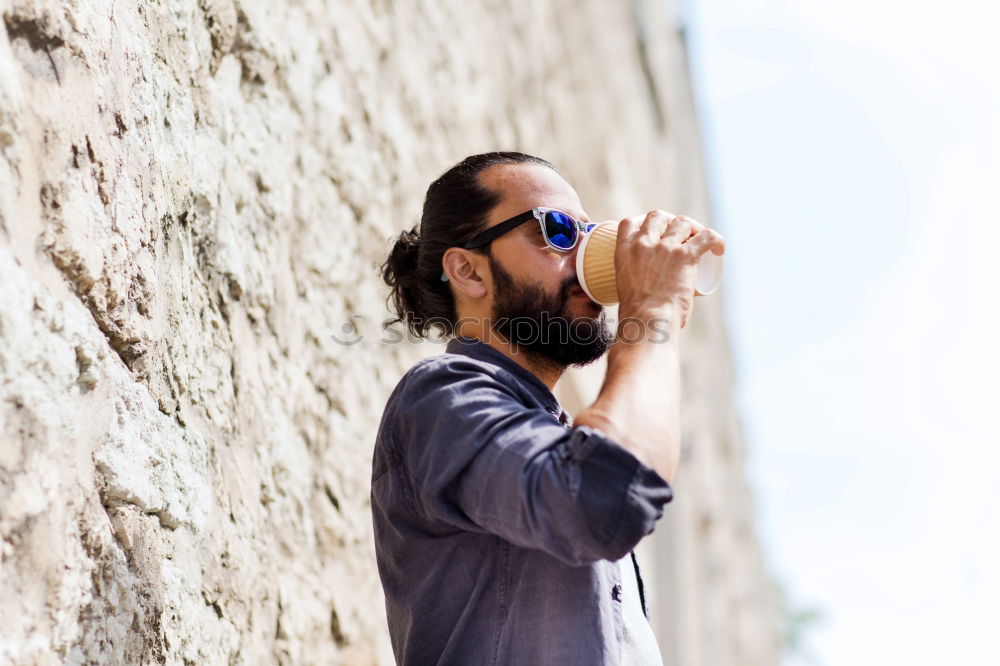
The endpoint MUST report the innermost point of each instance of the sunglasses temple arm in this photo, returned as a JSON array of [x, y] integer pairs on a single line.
[[495, 232]]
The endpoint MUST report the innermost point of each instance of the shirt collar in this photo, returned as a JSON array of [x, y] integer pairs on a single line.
[[481, 351]]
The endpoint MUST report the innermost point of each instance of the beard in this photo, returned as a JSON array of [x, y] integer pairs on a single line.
[[538, 323]]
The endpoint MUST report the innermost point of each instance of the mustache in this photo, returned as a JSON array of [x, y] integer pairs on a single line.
[[567, 286]]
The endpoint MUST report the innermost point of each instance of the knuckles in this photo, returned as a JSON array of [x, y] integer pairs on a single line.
[[630, 236]]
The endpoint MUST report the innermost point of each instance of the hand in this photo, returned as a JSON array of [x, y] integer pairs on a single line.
[[656, 261]]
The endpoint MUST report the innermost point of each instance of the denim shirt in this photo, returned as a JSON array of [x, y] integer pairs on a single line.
[[497, 526]]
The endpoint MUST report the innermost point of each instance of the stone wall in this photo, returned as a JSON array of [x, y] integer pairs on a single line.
[[193, 197]]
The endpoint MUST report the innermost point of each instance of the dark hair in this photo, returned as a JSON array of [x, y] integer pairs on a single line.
[[455, 209]]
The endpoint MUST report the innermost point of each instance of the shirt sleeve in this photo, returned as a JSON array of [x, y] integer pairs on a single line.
[[479, 459]]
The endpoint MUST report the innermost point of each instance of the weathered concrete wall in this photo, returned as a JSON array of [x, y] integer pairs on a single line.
[[193, 195]]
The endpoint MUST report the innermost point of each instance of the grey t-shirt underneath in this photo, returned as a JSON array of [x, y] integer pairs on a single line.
[[639, 647]]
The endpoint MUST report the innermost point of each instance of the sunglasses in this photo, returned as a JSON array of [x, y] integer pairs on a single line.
[[560, 230]]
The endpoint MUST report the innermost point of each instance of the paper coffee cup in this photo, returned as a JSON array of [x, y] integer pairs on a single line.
[[595, 266]]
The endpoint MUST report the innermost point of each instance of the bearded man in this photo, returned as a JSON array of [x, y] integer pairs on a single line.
[[504, 532]]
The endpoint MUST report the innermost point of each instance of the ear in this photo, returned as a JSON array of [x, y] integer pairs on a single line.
[[466, 271]]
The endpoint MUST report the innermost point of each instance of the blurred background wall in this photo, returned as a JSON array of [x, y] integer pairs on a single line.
[[193, 199]]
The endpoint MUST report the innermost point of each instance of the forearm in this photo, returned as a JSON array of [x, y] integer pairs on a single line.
[[655, 269], [639, 403]]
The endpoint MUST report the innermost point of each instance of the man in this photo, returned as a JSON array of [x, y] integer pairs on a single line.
[[503, 533]]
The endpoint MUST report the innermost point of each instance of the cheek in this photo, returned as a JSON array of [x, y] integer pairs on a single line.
[[553, 270], [538, 264], [565, 265]]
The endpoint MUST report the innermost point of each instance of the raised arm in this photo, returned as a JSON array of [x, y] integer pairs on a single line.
[[639, 403]]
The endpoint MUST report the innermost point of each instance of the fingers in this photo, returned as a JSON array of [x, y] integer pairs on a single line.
[[628, 228], [659, 226], [681, 228], [705, 240], [655, 225]]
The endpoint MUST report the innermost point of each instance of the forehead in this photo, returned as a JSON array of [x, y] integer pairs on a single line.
[[526, 186]]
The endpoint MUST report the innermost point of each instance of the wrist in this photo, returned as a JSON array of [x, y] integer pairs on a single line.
[[654, 325], [648, 308]]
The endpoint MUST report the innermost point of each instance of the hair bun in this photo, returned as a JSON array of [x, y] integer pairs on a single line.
[[400, 272], [401, 265]]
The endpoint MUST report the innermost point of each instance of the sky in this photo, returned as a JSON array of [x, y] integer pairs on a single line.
[[854, 159]]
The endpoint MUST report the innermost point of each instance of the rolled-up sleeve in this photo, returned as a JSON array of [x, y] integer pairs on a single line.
[[478, 458]]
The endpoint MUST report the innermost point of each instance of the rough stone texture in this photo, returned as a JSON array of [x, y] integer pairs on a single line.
[[193, 196]]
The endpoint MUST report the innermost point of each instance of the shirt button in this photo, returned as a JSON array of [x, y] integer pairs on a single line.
[[616, 592]]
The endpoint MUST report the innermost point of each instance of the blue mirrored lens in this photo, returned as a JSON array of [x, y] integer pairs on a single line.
[[560, 229]]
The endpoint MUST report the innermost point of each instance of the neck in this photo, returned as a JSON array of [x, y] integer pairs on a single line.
[[547, 370]]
